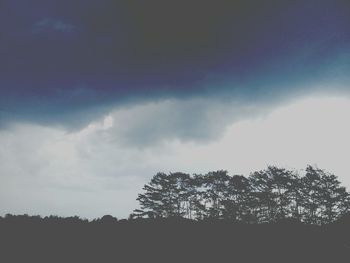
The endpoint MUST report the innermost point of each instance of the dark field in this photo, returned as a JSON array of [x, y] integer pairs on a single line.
[[30, 239]]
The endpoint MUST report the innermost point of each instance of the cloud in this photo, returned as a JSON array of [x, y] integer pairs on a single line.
[[98, 170], [102, 54], [89, 115], [51, 24], [198, 120]]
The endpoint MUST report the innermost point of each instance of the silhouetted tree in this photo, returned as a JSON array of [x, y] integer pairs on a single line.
[[332, 198], [268, 195], [237, 198], [295, 193], [165, 196], [216, 186], [264, 205], [282, 187], [312, 196], [198, 197], [276, 193]]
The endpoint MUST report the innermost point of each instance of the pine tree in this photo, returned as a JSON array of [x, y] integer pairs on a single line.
[[237, 199], [164, 196]]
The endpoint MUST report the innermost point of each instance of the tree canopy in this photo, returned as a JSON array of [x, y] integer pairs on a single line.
[[268, 195]]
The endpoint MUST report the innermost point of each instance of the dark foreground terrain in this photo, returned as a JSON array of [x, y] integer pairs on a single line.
[[32, 239]]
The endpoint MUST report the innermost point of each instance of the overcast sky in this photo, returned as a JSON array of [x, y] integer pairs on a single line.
[[98, 96]]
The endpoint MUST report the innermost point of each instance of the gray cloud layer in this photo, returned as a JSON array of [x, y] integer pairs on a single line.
[[65, 63], [100, 168], [97, 96]]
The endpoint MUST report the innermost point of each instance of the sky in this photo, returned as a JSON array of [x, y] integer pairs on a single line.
[[98, 96]]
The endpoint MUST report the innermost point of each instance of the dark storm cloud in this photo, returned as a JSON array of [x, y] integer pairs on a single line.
[[61, 58], [52, 24]]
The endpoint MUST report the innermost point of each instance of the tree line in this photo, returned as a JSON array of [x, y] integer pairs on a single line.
[[269, 195]]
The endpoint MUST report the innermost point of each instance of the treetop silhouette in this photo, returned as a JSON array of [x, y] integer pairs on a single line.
[[264, 196]]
